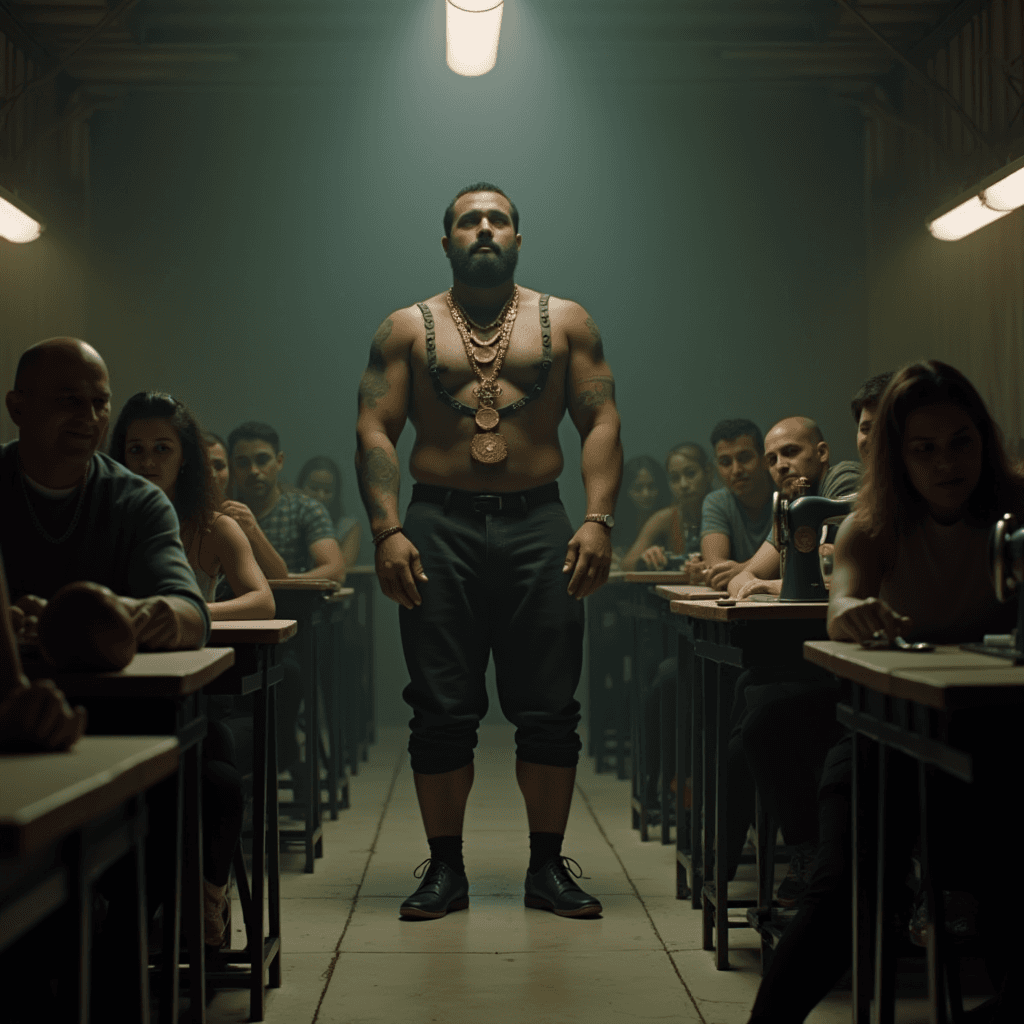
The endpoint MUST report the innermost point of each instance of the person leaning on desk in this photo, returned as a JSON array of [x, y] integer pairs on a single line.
[[913, 561]]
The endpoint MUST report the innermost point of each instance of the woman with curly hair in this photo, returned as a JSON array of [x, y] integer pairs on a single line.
[[157, 437]]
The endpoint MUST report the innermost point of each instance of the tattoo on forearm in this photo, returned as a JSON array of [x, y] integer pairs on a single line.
[[596, 335], [594, 392], [378, 481], [374, 385]]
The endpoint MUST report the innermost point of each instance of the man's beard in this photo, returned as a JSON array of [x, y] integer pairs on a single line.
[[483, 271]]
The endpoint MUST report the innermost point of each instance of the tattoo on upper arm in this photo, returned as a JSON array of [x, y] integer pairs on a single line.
[[374, 385], [378, 479], [593, 392], [596, 335]]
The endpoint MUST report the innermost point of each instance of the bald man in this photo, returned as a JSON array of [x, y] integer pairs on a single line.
[[794, 450], [72, 513]]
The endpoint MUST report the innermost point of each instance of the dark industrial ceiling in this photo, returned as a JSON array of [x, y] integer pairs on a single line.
[[111, 44]]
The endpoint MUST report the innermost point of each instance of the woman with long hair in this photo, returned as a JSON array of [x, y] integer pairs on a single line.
[[913, 561], [157, 437], [646, 490], [675, 529], [320, 478]]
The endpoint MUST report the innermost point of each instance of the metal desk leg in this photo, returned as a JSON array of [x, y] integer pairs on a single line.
[[709, 731], [766, 831], [723, 718], [192, 913], [939, 966], [683, 720], [171, 940], [666, 762], [695, 669], [273, 839], [885, 956], [254, 926], [863, 828]]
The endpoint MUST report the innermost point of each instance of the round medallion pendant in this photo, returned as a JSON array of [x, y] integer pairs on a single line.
[[485, 355], [490, 341], [489, 448], [487, 419]]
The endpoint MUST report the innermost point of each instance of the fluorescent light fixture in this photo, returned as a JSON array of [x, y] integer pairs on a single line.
[[473, 27], [991, 200], [17, 224]]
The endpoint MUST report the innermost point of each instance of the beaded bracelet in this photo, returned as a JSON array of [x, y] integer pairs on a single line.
[[384, 534]]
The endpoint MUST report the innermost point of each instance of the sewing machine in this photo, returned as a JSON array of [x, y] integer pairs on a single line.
[[800, 527], [1006, 552]]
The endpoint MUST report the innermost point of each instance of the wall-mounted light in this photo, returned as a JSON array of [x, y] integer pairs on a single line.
[[17, 222], [473, 28], [998, 195]]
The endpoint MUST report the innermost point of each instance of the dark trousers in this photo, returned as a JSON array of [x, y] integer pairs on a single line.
[[495, 588], [783, 723]]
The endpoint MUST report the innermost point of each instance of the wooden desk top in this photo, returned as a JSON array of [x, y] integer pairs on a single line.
[[341, 594], [252, 631], [44, 797], [944, 678], [751, 611], [654, 576], [154, 674], [304, 585], [361, 570], [689, 592]]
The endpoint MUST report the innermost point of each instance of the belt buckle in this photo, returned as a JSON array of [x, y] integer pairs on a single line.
[[483, 503]]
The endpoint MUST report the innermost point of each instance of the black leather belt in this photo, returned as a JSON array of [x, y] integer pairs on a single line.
[[474, 503]]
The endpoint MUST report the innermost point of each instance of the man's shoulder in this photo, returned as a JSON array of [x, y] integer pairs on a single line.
[[123, 486], [842, 478], [720, 500]]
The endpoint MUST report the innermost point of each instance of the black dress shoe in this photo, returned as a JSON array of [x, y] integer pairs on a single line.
[[552, 888], [441, 890]]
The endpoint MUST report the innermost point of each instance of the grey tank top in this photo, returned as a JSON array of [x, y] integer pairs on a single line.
[[941, 580], [507, 410]]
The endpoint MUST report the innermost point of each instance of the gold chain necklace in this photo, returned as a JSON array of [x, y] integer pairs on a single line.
[[485, 327], [488, 446]]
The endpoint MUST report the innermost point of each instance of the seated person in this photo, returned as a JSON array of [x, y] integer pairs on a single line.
[[913, 561], [795, 452], [300, 531], [864, 405], [33, 716], [156, 437], [320, 478], [297, 527], [674, 530], [736, 519], [72, 513], [646, 488], [217, 453]]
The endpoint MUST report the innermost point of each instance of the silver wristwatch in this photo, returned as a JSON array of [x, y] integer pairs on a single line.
[[604, 520]]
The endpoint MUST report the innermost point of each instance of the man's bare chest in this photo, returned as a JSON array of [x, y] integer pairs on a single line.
[[535, 355]]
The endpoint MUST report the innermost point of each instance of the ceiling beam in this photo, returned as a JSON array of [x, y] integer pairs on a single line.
[[937, 38]]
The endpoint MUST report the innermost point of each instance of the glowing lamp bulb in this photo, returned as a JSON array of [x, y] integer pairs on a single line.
[[1007, 194], [15, 224], [964, 219], [473, 28]]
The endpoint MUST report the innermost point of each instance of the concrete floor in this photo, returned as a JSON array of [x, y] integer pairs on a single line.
[[349, 959]]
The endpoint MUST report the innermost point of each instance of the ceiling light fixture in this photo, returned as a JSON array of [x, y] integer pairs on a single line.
[[17, 223], [473, 28], [998, 195]]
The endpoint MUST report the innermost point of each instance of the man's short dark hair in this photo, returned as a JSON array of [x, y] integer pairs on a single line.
[[253, 431], [729, 430], [869, 394], [480, 186]]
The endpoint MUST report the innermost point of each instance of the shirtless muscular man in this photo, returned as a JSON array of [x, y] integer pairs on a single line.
[[486, 562]]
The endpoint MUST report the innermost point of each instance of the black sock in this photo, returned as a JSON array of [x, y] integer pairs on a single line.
[[448, 850], [544, 846]]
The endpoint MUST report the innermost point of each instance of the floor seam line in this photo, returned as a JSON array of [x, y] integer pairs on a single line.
[[636, 892], [355, 897]]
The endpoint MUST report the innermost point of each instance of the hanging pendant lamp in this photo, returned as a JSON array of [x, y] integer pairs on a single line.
[[473, 28]]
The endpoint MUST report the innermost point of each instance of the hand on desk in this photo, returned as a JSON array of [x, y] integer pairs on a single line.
[[155, 623], [719, 575], [695, 568], [654, 557], [35, 716], [861, 620], [759, 587]]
